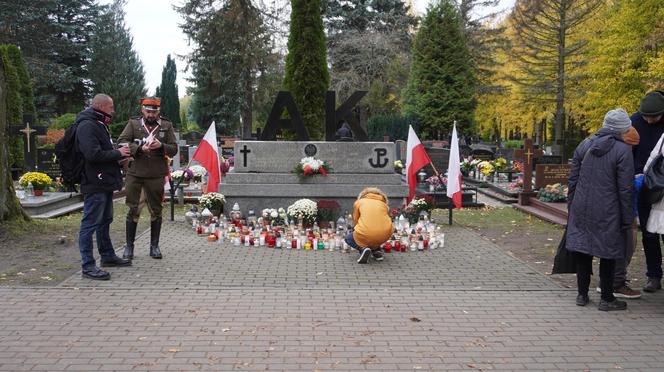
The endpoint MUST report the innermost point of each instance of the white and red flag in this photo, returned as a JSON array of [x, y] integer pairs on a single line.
[[454, 171], [207, 154], [416, 158]]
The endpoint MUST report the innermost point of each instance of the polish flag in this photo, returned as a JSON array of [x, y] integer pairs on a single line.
[[207, 154], [416, 158], [454, 171]]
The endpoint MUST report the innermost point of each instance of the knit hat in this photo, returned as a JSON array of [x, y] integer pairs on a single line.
[[652, 104], [617, 121], [631, 137]]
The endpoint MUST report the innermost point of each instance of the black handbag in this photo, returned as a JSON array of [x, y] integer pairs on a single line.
[[653, 183], [564, 262]]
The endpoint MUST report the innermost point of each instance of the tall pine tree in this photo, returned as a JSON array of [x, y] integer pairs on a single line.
[[168, 91], [307, 77], [231, 46], [115, 68], [441, 86], [54, 38]]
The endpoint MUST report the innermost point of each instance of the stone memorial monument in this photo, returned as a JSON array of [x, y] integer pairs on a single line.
[[264, 173]]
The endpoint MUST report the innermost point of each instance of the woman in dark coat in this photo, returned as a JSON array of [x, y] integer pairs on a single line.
[[600, 206]]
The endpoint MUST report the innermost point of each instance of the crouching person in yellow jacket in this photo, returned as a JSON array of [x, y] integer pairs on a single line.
[[373, 225]]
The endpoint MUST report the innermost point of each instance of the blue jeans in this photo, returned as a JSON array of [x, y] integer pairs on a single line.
[[351, 241], [97, 218]]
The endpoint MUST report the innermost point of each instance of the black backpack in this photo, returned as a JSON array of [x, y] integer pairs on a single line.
[[70, 158]]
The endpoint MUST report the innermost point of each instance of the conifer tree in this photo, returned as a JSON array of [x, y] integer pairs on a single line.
[[13, 91], [441, 85], [307, 77], [168, 91], [115, 68]]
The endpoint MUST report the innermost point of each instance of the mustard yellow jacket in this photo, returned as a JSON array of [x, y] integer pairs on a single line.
[[372, 222]]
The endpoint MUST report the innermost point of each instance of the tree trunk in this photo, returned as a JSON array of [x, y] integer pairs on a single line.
[[10, 208], [247, 117], [559, 118]]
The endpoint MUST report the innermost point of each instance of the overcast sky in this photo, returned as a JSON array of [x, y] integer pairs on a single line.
[[154, 26]]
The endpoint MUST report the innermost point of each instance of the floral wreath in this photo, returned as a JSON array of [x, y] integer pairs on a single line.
[[311, 166]]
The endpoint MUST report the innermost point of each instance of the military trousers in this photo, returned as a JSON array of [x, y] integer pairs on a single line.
[[153, 189]]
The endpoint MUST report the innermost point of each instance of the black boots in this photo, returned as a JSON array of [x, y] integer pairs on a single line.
[[155, 230], [130, 231]]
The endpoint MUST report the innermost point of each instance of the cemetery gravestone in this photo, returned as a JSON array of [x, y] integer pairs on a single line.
[[193, 138], [549, 174], [482, 152], [47, 163], [29, 133], [549, 159], [401, 150]]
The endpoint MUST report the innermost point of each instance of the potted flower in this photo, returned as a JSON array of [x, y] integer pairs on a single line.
[[486, 169], [555, 193], [436, 182], [38, 180], [213, 201], [328, 211], [303, 210], [185, 174], [273, 216], [198, 173], [466, 166], [398, 166]]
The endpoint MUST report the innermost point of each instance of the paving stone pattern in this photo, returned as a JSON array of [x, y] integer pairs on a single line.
[[215, 307]]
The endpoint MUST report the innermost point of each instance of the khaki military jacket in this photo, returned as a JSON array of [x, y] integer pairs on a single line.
[[153, 164]]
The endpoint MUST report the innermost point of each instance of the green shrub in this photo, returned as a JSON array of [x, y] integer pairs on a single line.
[[394, 126], [513, 144], [63, 121]]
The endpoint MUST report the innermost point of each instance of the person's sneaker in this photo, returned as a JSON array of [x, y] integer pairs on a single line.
[[95, 274], [612, 306], [652, 285], [115, 262], [626, 292], [364, 256], [378, 254], [582, 300]]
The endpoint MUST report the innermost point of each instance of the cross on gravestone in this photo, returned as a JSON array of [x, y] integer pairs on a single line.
[[29, 144], [244, 152], [527, 154]]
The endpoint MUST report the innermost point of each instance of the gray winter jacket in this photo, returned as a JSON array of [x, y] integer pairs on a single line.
[[600, 196]]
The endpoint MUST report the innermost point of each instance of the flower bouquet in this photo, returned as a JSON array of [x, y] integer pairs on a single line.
[[303, 210], [499, 164], [486, 168], [553, 193], [311, 166], [274, 216], [436, 182], [199, 172], [398, 166], [328, 210], [186, 175], [39, 181], [466, 166], [213, 201], [517, 166], [419, 204]]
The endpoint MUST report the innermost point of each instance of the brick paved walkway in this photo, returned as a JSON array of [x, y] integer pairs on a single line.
[[207, 306]]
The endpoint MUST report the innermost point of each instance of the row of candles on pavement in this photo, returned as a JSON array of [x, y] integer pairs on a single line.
[[421, 236]]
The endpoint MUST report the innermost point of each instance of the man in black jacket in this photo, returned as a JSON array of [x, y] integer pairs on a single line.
[[649, 122], [101, 176]]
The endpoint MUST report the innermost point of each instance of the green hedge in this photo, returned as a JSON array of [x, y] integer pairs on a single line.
[[63, 121], [394, 126]]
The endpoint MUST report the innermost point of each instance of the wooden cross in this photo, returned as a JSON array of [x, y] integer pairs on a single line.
[[528, 154]]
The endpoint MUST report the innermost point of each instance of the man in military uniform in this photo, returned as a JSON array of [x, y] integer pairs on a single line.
[[151, 140]]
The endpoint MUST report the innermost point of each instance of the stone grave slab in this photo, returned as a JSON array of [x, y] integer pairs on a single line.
[[548, 174]]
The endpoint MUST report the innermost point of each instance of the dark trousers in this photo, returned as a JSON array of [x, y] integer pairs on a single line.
[[651, 246], [584, 268]]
